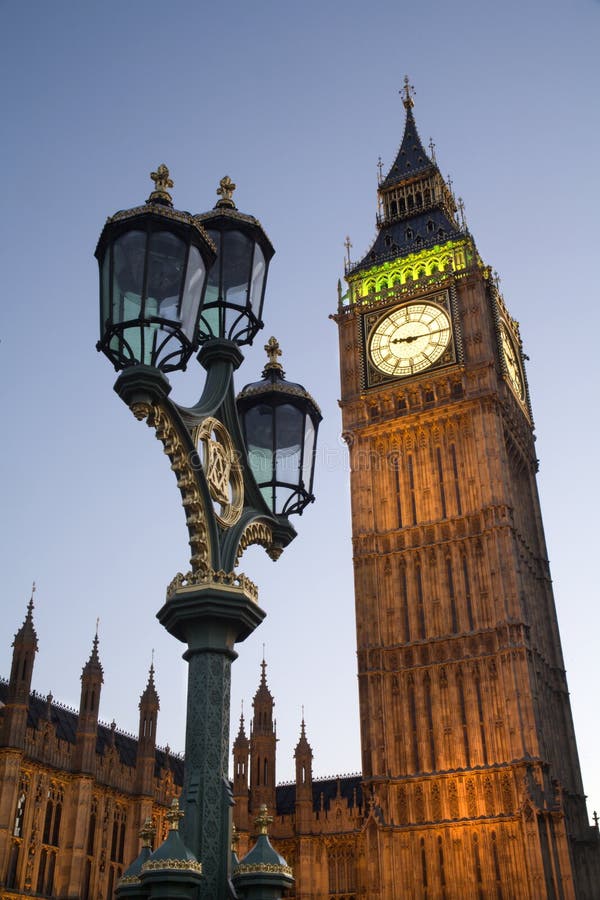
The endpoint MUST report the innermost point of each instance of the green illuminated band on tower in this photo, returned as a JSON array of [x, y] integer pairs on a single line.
[[404, 273]]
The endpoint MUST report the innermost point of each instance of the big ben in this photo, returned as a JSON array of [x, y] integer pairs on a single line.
[[468, 747]]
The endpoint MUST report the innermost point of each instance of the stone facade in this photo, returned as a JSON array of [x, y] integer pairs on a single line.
[[74, 793]]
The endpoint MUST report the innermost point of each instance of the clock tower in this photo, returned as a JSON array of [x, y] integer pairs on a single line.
[[468, 748]]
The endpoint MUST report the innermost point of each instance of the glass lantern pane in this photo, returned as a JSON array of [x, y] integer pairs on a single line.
[[129, 255], [166, 263], [258, 279], [307, 458], [258, 426], [288, 439], [191, 293], [269, 495], [237, 261], [212, 280], [105, 292], [209, 323]]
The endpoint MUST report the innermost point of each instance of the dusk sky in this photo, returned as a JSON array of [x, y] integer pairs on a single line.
[[296, 103]]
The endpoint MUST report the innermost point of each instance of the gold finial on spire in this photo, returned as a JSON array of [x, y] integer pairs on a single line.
[[432, 149], [409, 93], [174, 815], [273, 351], [235, 838], [162, 182], [225, 192], [147, 832], [263, 820], [348, 245]]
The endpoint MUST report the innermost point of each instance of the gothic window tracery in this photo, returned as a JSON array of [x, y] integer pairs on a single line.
[[20, 810], [341, 870], [53, 815]]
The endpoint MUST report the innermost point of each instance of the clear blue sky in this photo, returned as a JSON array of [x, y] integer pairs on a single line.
[[295, 103]]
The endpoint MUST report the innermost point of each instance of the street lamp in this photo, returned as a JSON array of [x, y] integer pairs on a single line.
[[280, 422], [171, 282]]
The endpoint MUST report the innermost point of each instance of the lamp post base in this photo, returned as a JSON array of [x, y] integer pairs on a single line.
[[210, 618]]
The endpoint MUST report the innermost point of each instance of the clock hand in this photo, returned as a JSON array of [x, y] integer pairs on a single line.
[[415, 337]]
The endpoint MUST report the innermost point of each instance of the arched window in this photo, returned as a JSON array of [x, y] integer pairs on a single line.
[[20, 810], [423, 863]]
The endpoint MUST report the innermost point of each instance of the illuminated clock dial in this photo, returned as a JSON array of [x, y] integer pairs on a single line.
[[409, 339], [511, 361]]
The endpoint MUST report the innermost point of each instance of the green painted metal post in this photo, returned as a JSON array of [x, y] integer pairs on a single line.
[[210, 618]]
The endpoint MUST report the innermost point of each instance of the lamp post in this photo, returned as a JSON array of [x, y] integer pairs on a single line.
[[171, 282]]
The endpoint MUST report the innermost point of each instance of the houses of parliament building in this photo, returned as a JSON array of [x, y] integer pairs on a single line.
[[470, 784]]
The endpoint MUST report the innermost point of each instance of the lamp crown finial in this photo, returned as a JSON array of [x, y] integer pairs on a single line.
[[147, 832], [174, 815], [273, 350], [263, 820], [225, 192], [162, 182]]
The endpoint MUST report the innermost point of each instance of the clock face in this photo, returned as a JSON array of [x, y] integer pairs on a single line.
[[511, 361], [409, 339]]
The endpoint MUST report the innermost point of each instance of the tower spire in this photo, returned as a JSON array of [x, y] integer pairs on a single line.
[[416, 206], [263, 741], [25, 646], [145, 759], [92, 678]]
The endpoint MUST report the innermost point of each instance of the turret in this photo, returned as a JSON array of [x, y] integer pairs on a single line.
[[25, 646], [241, 752], [263, 739], [87, 723], [146, 749], [304, 800]]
